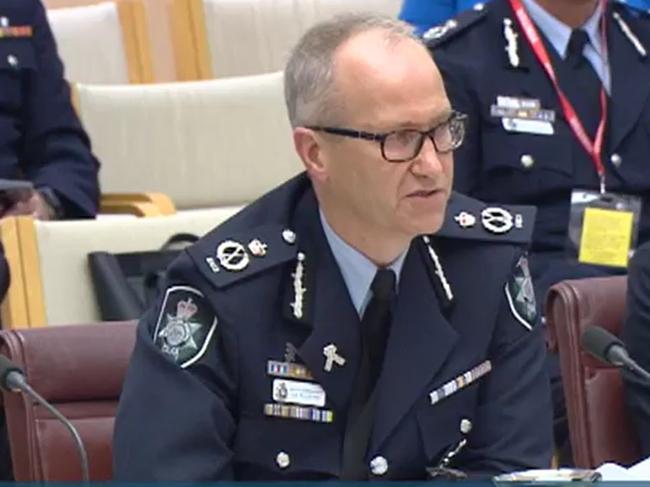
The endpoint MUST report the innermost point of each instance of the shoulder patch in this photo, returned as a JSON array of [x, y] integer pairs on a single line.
[[521, 294], [225, 258], [185, 325], [468, 218], [442, 33]]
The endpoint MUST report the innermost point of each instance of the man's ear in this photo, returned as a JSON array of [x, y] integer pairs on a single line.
[[308, 147]]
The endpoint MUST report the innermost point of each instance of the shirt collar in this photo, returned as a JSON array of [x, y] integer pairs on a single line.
[[357, 270], [558, 33]]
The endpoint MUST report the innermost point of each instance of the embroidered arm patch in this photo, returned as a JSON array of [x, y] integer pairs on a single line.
[[521, 294], [185, 325]]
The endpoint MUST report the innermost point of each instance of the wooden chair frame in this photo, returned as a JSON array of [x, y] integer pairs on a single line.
[[190, 40]]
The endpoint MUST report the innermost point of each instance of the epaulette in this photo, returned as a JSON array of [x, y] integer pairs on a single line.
[[468, 218], [440, 34], [226, 257]]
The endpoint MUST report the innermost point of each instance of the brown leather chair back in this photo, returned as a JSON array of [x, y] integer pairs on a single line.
[[80, 370], [600, 427]]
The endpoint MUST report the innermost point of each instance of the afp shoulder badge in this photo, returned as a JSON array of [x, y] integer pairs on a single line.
[[185, 325], [521, 294]]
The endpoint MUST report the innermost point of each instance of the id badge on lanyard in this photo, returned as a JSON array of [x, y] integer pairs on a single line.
[[603, 226]]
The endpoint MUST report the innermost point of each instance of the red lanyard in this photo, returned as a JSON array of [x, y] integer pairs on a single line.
[[595, 148]]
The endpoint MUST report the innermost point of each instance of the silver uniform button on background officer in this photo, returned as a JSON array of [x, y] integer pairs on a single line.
[[465, 426], [283, 460], [478, 6], [12, 60], [289, 236], [379, 465], [4, 22], [527, 161], [616, 160]]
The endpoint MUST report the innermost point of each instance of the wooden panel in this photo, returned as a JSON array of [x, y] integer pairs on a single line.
[[136, 43], [190, 41], [31, 264], [14, 307]]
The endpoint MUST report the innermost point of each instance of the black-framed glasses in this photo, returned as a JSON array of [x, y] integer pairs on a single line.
[[404, 145]]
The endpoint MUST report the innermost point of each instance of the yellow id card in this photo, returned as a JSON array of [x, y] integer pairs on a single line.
[[606, 237]]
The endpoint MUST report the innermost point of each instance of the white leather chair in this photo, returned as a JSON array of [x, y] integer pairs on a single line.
[[103, 43], [217, 143], [50, 277], [220, 38]]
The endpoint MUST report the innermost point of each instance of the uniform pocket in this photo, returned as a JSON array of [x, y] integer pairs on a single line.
[[16, 58], [286, 448]]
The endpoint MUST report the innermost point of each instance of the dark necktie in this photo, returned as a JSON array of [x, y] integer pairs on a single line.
[[581, 84], [375, 328]]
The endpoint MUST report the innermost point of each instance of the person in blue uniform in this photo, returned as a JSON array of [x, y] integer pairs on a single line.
[[425, 14], [428, 14], [359, 321], [636, 336], [41, 139], [520, 146]]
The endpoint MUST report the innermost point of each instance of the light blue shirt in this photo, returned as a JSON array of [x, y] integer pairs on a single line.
[[559, 34], [358, 271]]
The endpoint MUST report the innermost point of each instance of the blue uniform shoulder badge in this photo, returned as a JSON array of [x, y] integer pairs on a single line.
[[468, 218], [521, 294], [441, 33], [226, 258], [185, 325]]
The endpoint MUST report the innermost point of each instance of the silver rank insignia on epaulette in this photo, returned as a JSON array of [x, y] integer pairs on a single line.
[[499, 220], [438, 269], [299, 289], [439, 30], [512, 46], [627, 32]]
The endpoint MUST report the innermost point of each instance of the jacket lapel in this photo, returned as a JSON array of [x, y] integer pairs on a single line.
[[329, 315], [420, 341], [630, 86]]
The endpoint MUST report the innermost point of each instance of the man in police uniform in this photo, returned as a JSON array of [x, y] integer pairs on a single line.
[[520, 147], [41, 139], [346, 325]]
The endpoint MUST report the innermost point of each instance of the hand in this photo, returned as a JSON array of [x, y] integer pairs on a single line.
[[30, 203]]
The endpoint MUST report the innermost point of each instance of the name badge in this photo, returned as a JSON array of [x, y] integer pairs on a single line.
[[296, 392], [523, 126]]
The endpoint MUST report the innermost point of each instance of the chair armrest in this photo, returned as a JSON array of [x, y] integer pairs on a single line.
[[138, 204]]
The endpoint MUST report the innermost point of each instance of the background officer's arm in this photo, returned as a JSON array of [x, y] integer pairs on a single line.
[[56, 151], [636, 335], [513, 427], [467, 158], [176, 415]]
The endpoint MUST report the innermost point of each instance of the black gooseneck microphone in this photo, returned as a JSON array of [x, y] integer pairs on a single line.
[[12, 379], [609, 349]]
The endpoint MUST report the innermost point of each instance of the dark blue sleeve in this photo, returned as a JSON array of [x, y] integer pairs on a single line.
[[56, 149], [424, 14], [636, 334], [176, 421], [513, 429]]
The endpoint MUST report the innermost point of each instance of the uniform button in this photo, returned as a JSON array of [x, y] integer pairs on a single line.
[[12, 60], [451, 24], [465, 426], [479, 6], [4, 22], [379, 466], [283, 460], [616, 160], [289, 236], [527, 161]]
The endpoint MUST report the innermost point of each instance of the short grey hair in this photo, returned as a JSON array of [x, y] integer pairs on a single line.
[[309, 75]]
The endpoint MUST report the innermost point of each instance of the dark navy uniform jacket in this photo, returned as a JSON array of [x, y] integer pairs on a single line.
[[495, 165], [636, 335], [200, 405], [41, 139]]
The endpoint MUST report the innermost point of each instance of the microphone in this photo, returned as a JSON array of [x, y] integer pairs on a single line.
[[12, 379], [609, 349]]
